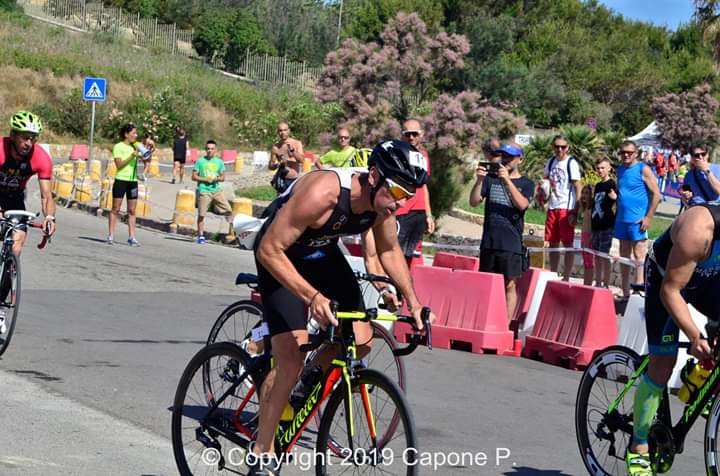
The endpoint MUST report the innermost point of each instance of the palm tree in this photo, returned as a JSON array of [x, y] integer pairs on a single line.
[[537, 152], [708, 19], [585, 145]]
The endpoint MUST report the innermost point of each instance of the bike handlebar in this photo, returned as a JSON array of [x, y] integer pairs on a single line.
[[328, 335]]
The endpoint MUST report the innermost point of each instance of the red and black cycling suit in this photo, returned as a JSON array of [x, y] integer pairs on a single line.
[[14, 174]]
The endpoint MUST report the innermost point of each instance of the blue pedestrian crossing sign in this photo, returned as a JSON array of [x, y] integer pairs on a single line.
[[94, 89]]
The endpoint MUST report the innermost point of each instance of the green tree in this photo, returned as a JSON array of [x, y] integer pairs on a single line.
[[8, 5], [366, 19], [212, 32], [245, 34]]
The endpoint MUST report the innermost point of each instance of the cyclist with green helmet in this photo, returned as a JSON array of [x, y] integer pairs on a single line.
[[20, 159]]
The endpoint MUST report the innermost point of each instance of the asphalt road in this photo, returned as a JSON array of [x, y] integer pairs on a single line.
[[105, 332]]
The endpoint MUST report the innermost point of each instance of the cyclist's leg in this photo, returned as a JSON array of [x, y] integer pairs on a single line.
[[662, 335], [284, 313], [18, 241]]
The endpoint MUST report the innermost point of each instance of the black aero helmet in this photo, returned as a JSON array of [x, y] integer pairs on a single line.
[[395, 159]]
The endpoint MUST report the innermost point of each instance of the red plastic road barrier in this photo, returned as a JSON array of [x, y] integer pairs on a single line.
[[525, 286], [228, 156], [192, 156], [574, 321], [79, 152], [311, 156], [453, 261], [470, 309]]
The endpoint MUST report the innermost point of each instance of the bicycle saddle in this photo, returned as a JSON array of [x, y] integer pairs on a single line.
[[246, 278]]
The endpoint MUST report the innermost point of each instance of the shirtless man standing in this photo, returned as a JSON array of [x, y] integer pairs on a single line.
[[288, 155]]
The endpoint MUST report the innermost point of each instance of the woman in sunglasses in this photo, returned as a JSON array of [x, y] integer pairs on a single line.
[[300, 264]]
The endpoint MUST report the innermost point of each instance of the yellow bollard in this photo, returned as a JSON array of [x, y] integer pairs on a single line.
[[95, 170], [184, 208], [80, 167], [239, 164], [154, 168], [307, 165], [111, 169], [68, 167], [106, 195], [241, 206], [537, 260], [83, 189], [65, 185], [143, 204]]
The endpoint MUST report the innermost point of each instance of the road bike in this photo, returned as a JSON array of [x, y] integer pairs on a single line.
[[11, 221], [366, 424], [604, 413], [237, 322]]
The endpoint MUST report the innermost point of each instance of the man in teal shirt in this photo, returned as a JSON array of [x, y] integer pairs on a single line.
[[209, 171], [340, 157]]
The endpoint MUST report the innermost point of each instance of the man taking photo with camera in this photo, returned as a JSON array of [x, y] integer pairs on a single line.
[[507, 195]]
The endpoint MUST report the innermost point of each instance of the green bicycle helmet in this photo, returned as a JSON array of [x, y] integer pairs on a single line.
[[24, 121]]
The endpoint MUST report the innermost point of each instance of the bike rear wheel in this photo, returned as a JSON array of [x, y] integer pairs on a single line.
[[214, 444], [604, 436], [712, 433], [384, 439], [10, 304], [235, 324]]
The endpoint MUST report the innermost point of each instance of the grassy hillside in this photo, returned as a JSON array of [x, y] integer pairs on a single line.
[[43, 68]]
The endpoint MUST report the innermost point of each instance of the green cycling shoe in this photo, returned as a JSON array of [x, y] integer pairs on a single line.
[[638, 464]]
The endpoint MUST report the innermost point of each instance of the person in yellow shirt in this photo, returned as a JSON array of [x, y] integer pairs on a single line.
[[126, 157], [340, 157]]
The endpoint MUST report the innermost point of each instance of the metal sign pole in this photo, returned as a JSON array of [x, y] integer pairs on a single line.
[[92, 132]]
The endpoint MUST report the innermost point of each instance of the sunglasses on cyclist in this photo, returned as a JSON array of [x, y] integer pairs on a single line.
[[397, 191], [561, 147]]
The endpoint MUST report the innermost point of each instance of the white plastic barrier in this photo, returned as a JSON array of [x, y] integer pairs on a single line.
[[260, 158], [632, 334], [535, 300], [370, 294]]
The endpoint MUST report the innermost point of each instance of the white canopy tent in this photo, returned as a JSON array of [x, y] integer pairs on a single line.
[[648, 137]]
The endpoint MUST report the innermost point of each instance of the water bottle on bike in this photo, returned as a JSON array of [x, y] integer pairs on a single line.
[[693, 376]]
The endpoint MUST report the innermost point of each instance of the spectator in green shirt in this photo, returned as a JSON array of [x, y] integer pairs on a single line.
[[209, 171], [126, 157], [340, 157]]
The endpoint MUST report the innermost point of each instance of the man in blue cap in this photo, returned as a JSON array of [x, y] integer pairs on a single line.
[[507, 195]]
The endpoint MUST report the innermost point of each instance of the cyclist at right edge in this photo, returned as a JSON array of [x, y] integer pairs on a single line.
[[683, 267], [299, 264]]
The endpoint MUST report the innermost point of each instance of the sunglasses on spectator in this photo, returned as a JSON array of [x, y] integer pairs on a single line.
[[343, 137], [397, 191], [411, 133], [697, 155], [561, 147], [626, 152]]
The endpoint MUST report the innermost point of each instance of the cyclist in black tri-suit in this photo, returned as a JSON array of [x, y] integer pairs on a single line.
[[683, 267], [300, 264]]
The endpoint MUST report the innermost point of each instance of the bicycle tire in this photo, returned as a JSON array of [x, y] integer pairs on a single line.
[[401, 436], [188, 410], [608, 366], [231, 326], [11, 302], [712, 427]]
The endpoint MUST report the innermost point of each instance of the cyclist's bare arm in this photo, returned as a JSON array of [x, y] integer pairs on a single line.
[[393, 261], [373, 266], [311, 204], [692, 237], [47, 205]]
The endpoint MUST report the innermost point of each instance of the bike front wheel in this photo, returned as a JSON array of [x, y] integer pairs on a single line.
[[206, 442], [712, 433], [604, 435], [9, 299], [367, 431]]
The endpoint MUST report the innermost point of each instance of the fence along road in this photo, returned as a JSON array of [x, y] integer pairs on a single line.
[[149, 33]]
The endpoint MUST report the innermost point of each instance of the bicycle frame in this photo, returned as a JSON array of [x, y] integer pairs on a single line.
[[693, 409], [287, 434]]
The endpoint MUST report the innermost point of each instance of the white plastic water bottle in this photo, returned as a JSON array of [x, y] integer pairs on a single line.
[[144, 151], [313, 327]]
